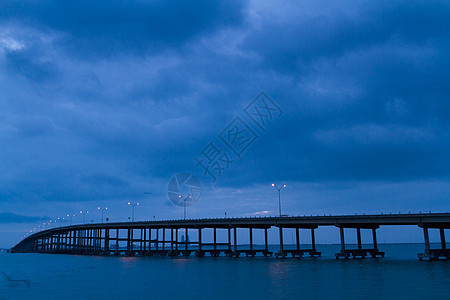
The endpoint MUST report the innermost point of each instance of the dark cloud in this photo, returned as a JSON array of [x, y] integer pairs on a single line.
[[15, 218], [107, 27], [24, 65]]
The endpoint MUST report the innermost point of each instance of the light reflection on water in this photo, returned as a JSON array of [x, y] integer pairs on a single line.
[[398, 276]]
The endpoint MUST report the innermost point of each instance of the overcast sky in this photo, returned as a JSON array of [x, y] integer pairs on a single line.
[[104, 101]]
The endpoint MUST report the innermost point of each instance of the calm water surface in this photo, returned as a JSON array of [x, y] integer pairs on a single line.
[[398, 276]]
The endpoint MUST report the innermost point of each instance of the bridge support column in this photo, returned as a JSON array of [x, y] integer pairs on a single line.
[[358, 235], [341, 230], [186, 241], [145, 241], [281, 253], [128, 241], [215, 242], [176, 240], [360, 251], [163, 241], [229, 242], [171, 241], [236, 253], [141, 240], [157, 239], [251, 252], [117, 241], [442, 234], [151, 241], [374, 238], [200, 251], [266, 244], [313, 241], [58, 242], [106, 247], [434, 254], [87, 247]]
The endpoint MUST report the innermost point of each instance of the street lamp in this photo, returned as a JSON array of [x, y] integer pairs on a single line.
[[84, 214], [279, 195], [133, 205], [70, 219], [184, 203], [102, 209]]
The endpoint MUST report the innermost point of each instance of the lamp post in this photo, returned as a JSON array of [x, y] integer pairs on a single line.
[[102, 209], [184, 203], [84, 214], [70, 219], [279, 195], [133, 205]]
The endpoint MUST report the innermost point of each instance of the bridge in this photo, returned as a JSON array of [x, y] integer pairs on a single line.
[[161, 237]]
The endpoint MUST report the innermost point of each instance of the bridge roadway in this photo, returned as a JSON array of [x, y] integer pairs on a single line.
[[144, 238]]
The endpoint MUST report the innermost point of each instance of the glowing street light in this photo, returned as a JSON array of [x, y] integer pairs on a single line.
[[133, 205], [184, 202], [70, 219], [84, 214], [102, 209], [279, 195], [60, 221]]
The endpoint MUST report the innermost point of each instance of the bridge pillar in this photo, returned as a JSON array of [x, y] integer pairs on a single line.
[[215, 240], [145, 240], [199, 251], [157, 239], [93, 240], [442, 234], [141, 240], [99, 240], [266, 243], [128, 241], [171, 241], [87, 240], [236, 253], [374, 238], [229, 241], [251, 242], [106, 252], [313, 241], [163, 240], [58, 242], [341, 230], [434, 254], [281, 253], [186, 240], [358, 235], [359, 252], [151, 241], [176, 239], [117, 241]]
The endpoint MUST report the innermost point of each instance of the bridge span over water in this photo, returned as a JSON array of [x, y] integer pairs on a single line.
[[161, 237]]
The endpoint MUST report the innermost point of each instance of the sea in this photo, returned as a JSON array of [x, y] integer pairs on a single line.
[[400, 275]]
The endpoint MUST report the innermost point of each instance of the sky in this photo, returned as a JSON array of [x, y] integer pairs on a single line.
[[103, 102]]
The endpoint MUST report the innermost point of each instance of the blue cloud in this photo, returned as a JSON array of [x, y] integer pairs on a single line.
[[15, 218], [107, 27]]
